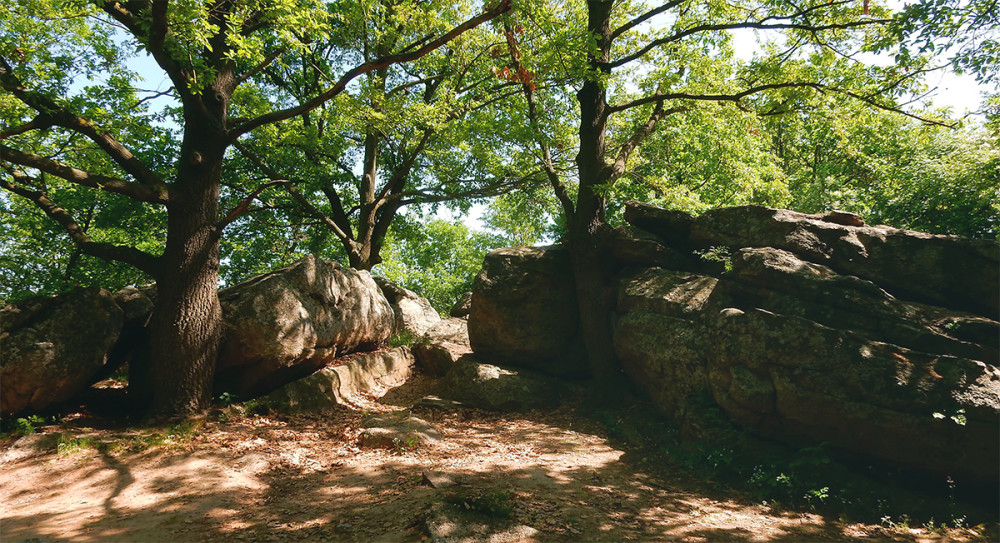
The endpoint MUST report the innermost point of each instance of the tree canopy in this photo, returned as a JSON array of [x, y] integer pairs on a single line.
[[298, 127]]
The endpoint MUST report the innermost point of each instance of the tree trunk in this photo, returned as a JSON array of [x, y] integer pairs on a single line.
[[588, 232], [187, 320]]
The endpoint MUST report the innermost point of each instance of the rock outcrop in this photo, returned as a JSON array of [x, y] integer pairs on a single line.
[[414, 313], [872, 339], [496, 388], [371, 373], [288, 323], [51, 348], [524, 311], [441, 346], [801, 328]]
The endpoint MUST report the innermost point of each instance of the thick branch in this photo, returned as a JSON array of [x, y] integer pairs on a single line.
[[144, 261], [244, 204], [644, 17], [367, 67], [737, 26], [53, 114], [156, 194], [640, 134]]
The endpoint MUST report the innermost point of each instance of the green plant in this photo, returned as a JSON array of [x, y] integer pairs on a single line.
[[76, 445], [405, 338], [717, 254]]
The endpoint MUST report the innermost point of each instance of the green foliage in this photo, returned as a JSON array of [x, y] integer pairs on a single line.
[[23, 426], [436, 259]]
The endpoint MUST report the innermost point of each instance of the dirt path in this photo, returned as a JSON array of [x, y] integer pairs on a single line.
[[304, 478]]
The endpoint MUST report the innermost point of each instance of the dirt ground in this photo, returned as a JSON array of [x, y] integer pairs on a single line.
[[303, 477]]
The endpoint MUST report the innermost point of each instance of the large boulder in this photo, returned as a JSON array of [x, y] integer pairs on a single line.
[[414, 313], [372, 373], [942, 270], [51, 348], [288, 323], [524, 311], [442, 346], [792, 350]]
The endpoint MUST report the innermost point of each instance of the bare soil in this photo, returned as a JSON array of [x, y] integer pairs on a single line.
[[303, 477]]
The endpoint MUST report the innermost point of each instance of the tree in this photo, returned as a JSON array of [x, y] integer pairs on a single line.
[[674, 55], [414, 134], [208, 51]]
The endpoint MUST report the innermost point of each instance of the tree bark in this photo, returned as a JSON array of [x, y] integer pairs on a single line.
[[588, 232], [187, 321]]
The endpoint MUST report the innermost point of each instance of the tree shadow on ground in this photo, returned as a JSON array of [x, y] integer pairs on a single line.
[[301, 478]]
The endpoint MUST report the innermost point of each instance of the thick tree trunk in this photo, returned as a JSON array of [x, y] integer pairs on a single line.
[[588, 232], [187, 321]]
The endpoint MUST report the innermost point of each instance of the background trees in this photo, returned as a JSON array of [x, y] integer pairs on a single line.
[[208, 51], [297, 127]]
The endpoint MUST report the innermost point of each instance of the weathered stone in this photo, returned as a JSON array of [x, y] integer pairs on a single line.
[[372, 373], [672, 226], [31, 445], [943, 270], [490, 387], [633, 246], [808, 355], [53, 347], [453, 330], [462, 306], [793, 379], [400, 431], [524, 311], [285, 324], [413, 312], [437, 359]]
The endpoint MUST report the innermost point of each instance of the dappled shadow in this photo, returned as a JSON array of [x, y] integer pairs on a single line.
[[302, 478]]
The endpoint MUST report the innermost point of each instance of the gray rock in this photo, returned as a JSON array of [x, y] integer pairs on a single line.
[[673, 226], [524, 311], [413, 312], [286, 324], [31, 445], [362, 373], [494, 388], [437, 359], [806, 354], [51, 348]]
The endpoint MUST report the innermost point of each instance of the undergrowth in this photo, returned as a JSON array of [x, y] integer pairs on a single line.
[[812, 478]]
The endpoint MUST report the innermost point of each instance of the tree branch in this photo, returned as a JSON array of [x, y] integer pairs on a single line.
[[142, 260], [744, 25], [366, 67], [53, 114], [644, 17], [155, 194]]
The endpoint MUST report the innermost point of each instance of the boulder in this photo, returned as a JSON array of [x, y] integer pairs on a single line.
[[288, 323], [53, 347], [462, 306], [524, 311], [793, 350], [414, 313], [494, 388], [372, 373], [441, 346], [672, 226], [948, 271]]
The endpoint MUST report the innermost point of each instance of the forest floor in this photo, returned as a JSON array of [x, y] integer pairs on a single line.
[[235, 476]]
